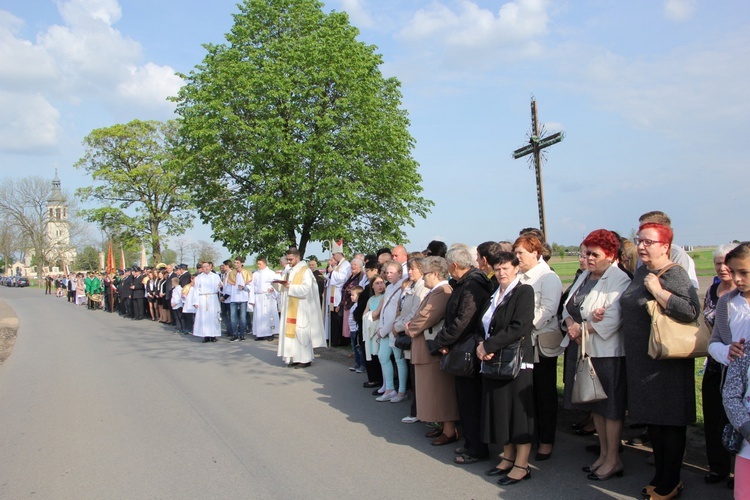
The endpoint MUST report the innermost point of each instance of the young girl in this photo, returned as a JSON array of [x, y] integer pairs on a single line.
[[733, 326]]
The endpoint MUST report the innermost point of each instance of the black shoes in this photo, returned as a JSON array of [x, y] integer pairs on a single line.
[[206, 340], [713, 478], [303, 365], [507, 481]]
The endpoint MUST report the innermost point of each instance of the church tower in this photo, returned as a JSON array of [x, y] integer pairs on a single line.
[[58, 230]]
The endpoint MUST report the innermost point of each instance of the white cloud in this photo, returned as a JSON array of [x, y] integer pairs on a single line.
[[687, 92], [459, 40], [84, 59], [679, 10], [357, 13], [22, 64], [28, 123], [150, 85], [472, 27]]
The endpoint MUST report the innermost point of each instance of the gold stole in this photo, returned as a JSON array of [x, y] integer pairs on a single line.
[[232, 276], [186, 289], [291, 312]]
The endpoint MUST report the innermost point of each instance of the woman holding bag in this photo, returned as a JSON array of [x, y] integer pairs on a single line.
[[508, 405], [662, 392], [594, 300], [434, 389], [546, 337]]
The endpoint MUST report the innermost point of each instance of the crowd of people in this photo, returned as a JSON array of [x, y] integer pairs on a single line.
[[433, 324]]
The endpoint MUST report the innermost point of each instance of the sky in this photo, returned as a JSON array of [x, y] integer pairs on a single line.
[[651, 95]]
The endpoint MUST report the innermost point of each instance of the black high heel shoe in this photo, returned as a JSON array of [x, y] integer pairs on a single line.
[[507, 481], [497, 471]]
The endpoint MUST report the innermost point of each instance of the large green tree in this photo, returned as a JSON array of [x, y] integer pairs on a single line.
[[292, 134], [136, 166]]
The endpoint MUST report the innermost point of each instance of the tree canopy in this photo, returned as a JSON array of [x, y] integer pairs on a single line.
[[292, 134], [135, 165]]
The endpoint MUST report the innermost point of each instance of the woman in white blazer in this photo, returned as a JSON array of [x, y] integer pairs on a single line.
[[593, 305]]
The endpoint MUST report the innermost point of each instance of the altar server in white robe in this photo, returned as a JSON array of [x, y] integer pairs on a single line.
[[265, 309], [301, 318], [207, 310]]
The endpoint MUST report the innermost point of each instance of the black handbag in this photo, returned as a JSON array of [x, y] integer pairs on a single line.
[[731, 439], [461, 360], [505, 364], [403, 341]]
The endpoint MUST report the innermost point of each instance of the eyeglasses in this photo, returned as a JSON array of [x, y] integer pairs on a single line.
[[646, 242]]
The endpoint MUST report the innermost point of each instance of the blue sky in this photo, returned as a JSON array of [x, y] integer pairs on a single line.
[[651, 95]]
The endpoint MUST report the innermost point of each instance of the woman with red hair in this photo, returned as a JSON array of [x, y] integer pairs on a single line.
[[661, 392], [593, 304]]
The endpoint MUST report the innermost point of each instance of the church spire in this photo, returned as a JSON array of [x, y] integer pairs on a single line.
[[56, 196]]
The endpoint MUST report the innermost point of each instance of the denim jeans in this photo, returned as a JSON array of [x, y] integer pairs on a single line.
[[238, 321], [359, 356]]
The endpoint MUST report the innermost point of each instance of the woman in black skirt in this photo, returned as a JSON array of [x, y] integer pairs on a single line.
[[594, 304], [508, 405]]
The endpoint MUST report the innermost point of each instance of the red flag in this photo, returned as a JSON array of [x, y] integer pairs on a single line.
[[110, 259], [122, 258]]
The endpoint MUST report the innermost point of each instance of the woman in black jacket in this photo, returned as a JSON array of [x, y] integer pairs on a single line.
[[471, 291], [508, 405]]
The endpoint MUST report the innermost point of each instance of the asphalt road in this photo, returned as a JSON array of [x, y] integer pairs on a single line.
[[93, 406]]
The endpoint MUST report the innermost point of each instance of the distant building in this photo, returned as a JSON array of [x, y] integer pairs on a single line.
[[60, 252]]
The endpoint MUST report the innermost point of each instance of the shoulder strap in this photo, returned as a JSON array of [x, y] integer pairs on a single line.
[[666, 268]]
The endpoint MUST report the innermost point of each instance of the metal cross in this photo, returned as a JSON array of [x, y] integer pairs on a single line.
[[535, 146]]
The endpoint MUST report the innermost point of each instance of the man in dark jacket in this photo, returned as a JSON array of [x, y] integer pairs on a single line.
[[463, 316], [138, 291]]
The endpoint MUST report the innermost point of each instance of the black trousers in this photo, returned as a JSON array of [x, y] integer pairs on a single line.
[[187, 322], [71, 296], [178, 319], [714, 419], [469, 396], [337, 337], [137, 308], [668, 442], [374, 372], [225, 317], [545, 399]]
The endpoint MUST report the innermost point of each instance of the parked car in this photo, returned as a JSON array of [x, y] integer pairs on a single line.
[[22, 281]]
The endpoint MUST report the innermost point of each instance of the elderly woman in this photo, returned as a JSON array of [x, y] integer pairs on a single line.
[[508, 405], [356, 278], [714, 416], [662, 392], [546, 337], [412, 292], [386, 316], [463, 314], [435, 390], [594, 304]]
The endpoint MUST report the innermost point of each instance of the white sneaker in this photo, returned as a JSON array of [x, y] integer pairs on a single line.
[[387, 396], [409, 420], [398, 399], [353, 368], [361, 369]]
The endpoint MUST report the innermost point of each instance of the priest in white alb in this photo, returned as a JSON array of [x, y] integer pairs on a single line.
[[301, 318], [337, 273], [207, 286], [265, 307]]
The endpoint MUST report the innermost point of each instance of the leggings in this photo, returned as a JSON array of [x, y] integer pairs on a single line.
[[384, 355]]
